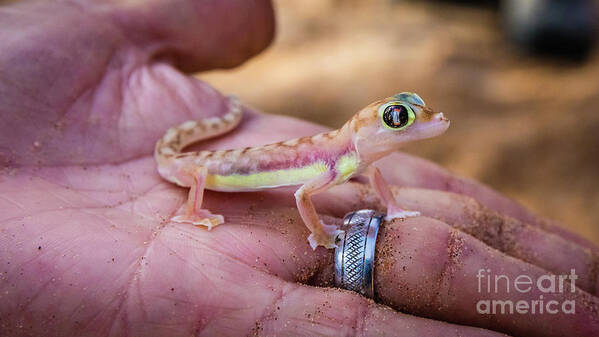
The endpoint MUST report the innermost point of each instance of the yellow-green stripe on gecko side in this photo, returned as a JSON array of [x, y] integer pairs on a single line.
[[317, 162], [345, 167], [266, 179]]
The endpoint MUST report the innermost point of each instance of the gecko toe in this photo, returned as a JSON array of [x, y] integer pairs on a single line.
[[327, 239], [205, 219], [401, 215]]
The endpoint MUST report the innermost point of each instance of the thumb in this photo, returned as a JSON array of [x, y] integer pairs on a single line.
[[197, 34], [100, 93]]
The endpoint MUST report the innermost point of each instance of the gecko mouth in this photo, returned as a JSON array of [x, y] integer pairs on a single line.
[[436, 126]]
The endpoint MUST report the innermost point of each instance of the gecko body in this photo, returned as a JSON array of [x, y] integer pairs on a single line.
[[317, 162]]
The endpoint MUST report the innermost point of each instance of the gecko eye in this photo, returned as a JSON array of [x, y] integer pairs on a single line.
[[397, 116]]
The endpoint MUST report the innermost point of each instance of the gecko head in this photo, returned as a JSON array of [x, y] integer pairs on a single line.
[[384, 125]]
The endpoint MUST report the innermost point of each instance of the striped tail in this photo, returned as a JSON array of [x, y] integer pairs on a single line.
[[178, 137]]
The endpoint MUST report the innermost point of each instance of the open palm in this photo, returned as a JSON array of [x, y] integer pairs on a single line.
[[86, 245]]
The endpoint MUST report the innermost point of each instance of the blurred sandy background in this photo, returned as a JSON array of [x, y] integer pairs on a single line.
[[527, 127]]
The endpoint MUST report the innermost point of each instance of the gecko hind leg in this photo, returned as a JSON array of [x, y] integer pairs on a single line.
[[192, 212]]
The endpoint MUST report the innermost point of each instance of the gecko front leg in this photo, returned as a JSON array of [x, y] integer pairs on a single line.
[[383, 191], [192, 212], [322, 235]]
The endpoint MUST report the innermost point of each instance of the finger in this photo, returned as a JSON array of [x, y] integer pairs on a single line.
[[513, 237], [79, 104], [197, 35], [506, 234], [417, 172], [426, 268], [298, 310]]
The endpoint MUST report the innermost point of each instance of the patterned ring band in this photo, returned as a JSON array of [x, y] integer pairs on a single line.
[[354, 255]]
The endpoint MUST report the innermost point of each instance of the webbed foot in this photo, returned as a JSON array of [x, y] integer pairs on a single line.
[[326, 238], [400, 214], [200, 218]]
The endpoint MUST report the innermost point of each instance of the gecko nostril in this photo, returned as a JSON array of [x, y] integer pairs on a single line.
[[441, 117]]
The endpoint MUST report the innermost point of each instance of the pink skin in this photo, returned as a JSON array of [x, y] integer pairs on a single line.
[[85, 245]]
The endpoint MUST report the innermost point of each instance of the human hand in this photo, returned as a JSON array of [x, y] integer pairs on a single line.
[[86, 247]]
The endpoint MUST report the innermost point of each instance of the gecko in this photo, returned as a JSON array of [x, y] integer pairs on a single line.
[[314, 163]]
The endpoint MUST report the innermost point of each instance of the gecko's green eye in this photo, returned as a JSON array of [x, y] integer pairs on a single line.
[[397, 116]]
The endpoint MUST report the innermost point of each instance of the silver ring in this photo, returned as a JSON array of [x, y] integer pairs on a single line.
[[354, 255]]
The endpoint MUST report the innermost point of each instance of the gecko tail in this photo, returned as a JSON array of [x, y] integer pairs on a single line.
[[178, 137]]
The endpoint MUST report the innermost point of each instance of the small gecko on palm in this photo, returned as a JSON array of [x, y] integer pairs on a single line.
[[317, 163]]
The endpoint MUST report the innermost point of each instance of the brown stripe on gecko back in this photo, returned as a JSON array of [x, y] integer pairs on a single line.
[[191, 131], [325, 148]]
